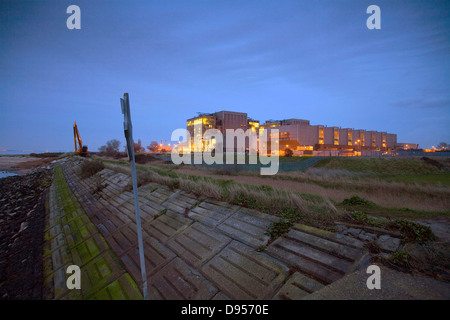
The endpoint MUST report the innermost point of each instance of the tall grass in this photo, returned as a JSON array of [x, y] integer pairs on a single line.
[[340, 183], [290, 206], [88, 168]]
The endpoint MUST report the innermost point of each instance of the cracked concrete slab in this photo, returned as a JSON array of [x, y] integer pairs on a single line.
[[248, 226], [212, 214], [177, 281], [315, 254], [243, 273], [197, 244], [166, 225]]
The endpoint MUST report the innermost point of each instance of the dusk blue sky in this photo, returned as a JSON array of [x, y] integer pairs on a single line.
[[313, 60]]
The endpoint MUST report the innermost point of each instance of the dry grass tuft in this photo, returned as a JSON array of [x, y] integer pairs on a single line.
[[88, 168]]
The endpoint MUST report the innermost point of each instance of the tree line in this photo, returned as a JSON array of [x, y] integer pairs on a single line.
[[443, 146], [112, 148]]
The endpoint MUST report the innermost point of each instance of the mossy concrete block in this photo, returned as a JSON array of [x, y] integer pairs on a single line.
[[88, 250], [60, 257], [123, 288], [78, 218], [56, 282], [72, 239], [78, 234], [54, 243], [71, 214], [53, 232], [52, 219], [99, 273]]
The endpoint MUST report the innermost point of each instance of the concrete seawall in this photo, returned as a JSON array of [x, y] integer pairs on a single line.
[[195, 249]]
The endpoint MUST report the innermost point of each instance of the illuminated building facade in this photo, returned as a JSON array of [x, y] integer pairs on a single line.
[[222, 120], [299, 134], [295, 134], [196, 131]]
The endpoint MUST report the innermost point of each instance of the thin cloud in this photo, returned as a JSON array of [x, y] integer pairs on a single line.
[[424, 103]]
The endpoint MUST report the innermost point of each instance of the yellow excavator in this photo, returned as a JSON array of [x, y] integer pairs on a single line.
[[80, 149]]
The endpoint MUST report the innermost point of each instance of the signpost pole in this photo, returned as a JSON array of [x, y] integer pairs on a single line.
[[128, 129]]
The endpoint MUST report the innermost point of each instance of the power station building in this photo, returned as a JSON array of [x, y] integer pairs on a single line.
[[222, 121], [299, 134], [295, 134]]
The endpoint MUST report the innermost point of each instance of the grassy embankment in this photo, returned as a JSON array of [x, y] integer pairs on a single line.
[[399, 187], [356, 175], [407, 188]]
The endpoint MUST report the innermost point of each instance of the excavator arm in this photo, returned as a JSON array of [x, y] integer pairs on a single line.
[[80, 149], [76, 136]]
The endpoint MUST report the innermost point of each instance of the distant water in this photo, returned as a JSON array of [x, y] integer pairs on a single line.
[[4, 174], [13, 152]]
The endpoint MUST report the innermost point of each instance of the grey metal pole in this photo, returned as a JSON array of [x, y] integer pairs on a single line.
[[128, 129]]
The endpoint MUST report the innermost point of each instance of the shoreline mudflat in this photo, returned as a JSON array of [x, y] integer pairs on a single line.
[[22, 221], [22, 164]]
